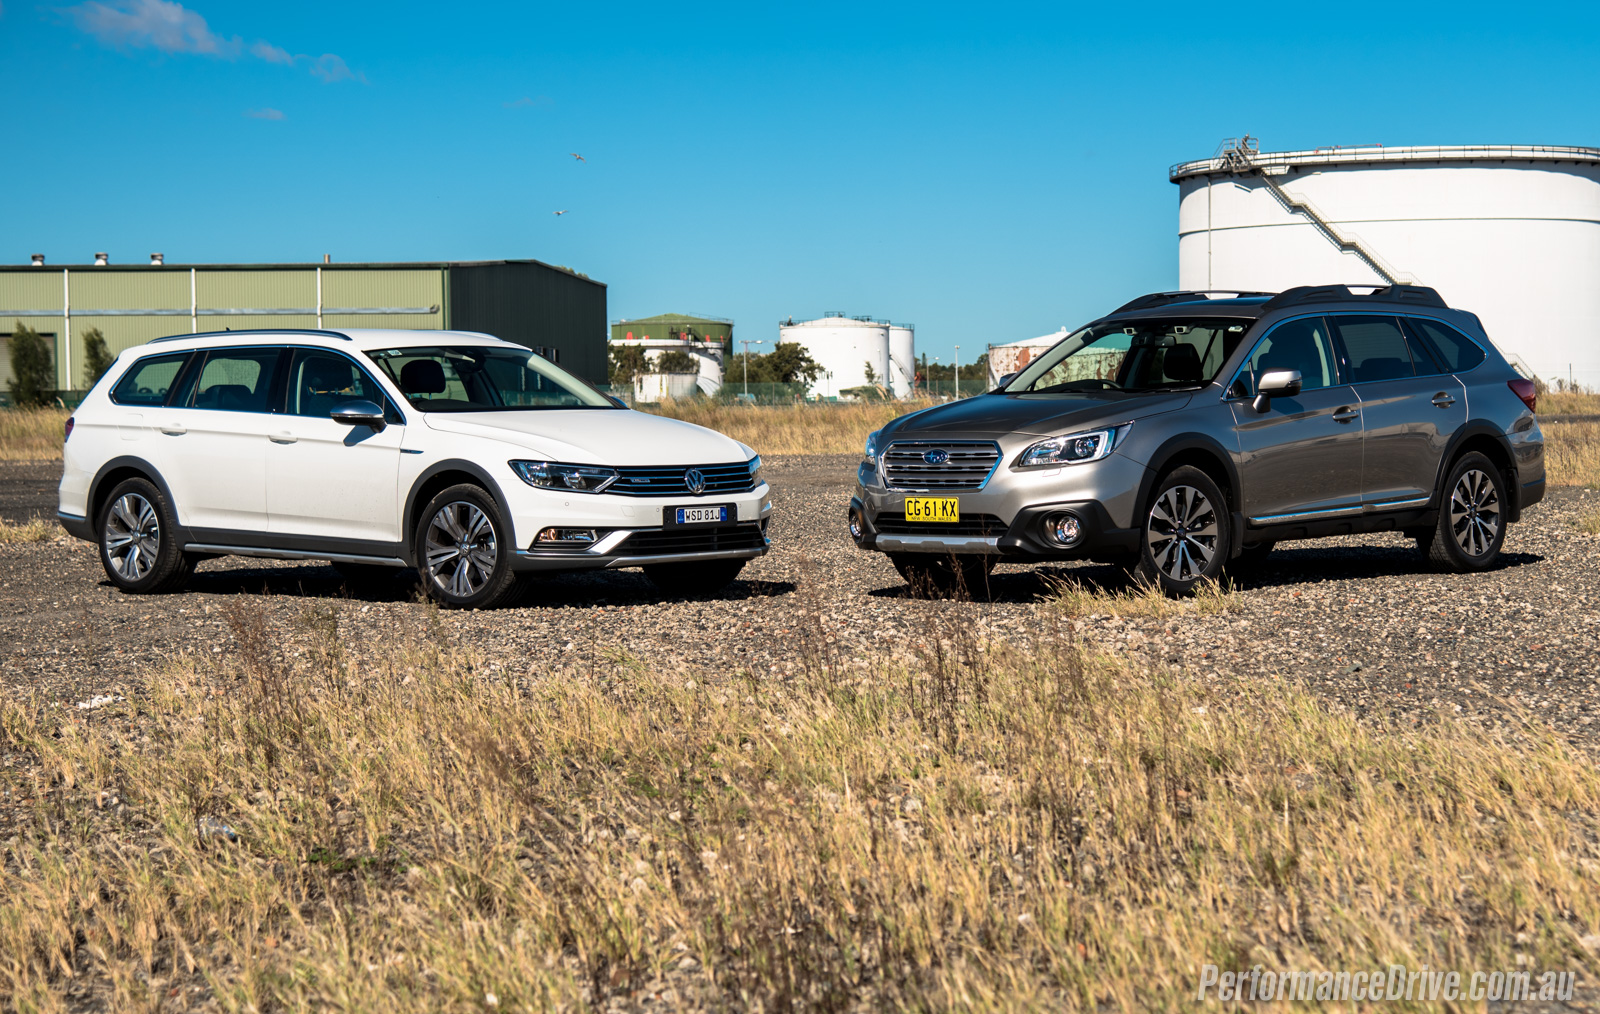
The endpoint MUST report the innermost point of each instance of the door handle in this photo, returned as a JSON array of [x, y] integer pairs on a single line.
[[174, 429], [1443, 400], [283, 437], [1346, 414]]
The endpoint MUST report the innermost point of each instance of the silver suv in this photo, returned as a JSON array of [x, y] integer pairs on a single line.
[[1189, 429]]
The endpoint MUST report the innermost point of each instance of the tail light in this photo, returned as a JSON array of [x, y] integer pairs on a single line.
[[68, 435], [1525, 389]]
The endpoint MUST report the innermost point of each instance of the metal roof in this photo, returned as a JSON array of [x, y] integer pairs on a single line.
[[674, 318], [1375, 154], [295, 266]]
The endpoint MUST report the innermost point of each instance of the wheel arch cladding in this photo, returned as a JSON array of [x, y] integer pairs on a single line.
[[442, 476], [1491, 444], [117, 471], [1200, 452]]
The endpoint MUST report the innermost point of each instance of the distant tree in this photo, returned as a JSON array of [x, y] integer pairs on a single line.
[[96, 359], [627, 362], [787, 363], [676, 361], [33, 378], [871, 374]]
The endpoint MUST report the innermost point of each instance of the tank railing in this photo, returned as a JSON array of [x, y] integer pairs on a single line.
[[1224, 161]]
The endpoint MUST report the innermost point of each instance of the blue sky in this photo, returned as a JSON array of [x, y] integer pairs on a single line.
[[988, 172]]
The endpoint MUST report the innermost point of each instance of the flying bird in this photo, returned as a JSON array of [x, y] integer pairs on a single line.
[[580, 158], [563, 211]]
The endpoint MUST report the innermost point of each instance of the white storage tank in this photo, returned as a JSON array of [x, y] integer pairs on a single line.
[[844, 347], [654, 387], [902, 359], [1509, 232]]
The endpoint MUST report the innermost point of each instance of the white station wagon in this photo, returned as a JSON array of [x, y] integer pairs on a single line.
[[469, 458]]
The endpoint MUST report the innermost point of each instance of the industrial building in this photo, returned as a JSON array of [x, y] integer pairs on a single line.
[[707, 340], [549, 309], [1509, 232], [848, 347]]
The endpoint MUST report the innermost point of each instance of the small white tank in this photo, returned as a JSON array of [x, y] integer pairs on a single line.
[[844, 347], [653, 387], [902, 359]]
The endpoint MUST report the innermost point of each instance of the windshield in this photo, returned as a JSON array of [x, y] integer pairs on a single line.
[[1139, 355], [479, 378]]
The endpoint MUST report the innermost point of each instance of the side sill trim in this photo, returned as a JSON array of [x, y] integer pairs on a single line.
[[1335, 512], [293, 554]]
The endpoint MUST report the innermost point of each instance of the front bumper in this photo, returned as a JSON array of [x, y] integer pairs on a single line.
[[1007, 516], [641, 547]]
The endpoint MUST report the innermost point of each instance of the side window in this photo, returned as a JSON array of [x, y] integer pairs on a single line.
[[236, 380], [148, 380], [1377, 349], [1455, 350], [1295, 345], [321, 381], [433, 382]]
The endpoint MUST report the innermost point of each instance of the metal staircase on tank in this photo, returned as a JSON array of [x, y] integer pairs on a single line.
[[1242, 155]]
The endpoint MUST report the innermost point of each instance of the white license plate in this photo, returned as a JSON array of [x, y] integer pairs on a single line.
[[700, 515]]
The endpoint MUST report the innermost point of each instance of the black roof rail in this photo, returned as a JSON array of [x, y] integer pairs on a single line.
[[1415, 295], [1163, 298], [253, 331]]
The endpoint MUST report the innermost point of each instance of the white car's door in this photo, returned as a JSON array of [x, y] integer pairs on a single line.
[[326, 478], [214, 442]]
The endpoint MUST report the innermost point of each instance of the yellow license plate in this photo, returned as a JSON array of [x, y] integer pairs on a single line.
[[933, 508]]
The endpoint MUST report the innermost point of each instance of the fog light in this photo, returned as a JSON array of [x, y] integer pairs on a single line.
[[567, 535], [1063, 529], [858, 525]]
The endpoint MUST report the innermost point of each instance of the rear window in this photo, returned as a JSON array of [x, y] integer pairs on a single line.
[[148, 380], [236, 380], [1455, 350], [1377, 349]]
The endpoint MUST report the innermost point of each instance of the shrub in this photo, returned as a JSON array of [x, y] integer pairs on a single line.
[[32, 382], [97, 359]]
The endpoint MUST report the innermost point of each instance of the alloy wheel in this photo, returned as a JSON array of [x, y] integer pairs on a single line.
[[460, 549], [1182, 533], [132, 536], [1475, 512]]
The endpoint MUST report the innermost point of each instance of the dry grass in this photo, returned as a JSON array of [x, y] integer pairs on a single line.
[[1569, 403], [32, 530], [993, 829], [31, 435], [1590, 525], [828, 428], [1572, 453], [1075, 598]]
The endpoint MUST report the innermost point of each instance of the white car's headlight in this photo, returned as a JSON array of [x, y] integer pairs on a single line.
[[1072, 449], [754, 464], [871, 451], [568, 478]]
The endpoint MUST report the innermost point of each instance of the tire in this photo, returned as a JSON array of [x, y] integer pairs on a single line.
[[1186, 535], [1472, 522], [365, 575], [690, 580], [463, 550], [949, 576], [137, 535]]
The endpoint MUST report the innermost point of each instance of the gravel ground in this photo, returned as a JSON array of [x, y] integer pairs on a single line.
[[1360, 620]]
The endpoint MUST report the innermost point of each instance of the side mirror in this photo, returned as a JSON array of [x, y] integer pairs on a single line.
[[617, 401], [1282, 383], [359, 413], [1008, 378]]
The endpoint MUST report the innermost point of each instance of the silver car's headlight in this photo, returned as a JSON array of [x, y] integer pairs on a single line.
[[567, 478], [754, 464], [1072, 449], [871, 451]]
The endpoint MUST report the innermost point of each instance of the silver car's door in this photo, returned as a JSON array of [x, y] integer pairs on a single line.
[[1409, 406], [1299, 458]]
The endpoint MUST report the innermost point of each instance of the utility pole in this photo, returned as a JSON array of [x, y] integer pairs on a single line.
[[747, 345], [958, 371]]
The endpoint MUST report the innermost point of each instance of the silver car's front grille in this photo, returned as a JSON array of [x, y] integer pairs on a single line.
[[936, 464]]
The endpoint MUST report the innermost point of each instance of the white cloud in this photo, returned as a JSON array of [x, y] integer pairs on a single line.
[[264, 50], [153, 24], [264, 114], [331, 68], [169, 27]]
